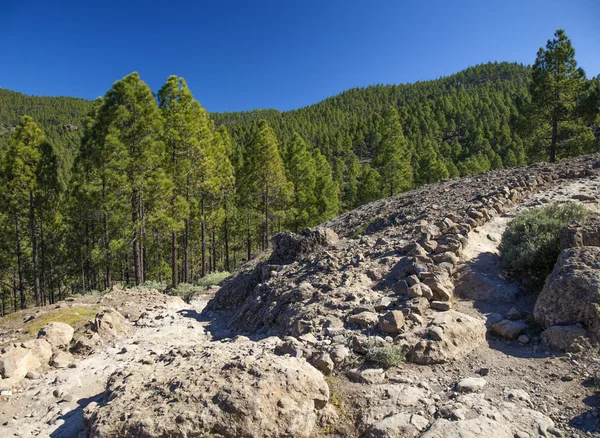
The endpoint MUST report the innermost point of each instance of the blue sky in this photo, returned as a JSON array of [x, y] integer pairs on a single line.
[[243, 55]]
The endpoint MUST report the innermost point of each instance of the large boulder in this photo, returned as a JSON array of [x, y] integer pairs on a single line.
[[452, 335], [57, 334], [230, 389], [563, 337], [40, 349], [109, 324], [288, 246], [572, 291], [15, 363]]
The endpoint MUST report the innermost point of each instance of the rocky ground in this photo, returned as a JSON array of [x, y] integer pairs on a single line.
[[417, 273]]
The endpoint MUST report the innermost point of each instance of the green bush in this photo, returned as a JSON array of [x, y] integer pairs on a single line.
[[384, 355], [212, 279], [531, 243]]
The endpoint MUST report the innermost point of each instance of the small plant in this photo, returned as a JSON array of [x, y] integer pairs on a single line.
[[531, 243], [150, 285], [364, 227], [384, 355], [212, 279]]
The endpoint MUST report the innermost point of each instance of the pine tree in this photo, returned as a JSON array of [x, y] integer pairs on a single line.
[[21, 172], [187, 139], [394, 158], [128, 129], [369, 187], [326, 190], [557, 84], [301, 172], [268, 187]]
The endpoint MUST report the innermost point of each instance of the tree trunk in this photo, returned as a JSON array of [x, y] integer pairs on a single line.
[[34, 254], [137, 256], [214, 250], [14, 292], [554, 139], [174, 258], [266, 238], [185, 261], [203, 250], [43, 248], [108, 259], [249, 239], [226, 239], [20, 263]]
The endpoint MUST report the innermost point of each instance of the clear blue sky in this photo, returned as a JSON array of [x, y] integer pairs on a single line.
[[242, 55]]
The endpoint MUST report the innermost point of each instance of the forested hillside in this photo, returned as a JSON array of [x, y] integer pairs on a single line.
[[61, 118], [139, 187]]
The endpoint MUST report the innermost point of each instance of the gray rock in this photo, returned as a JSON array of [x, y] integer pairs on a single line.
[[391, 322], [509, 329], [572, 291], [323, 362], [339, 353], [513, 314], [364, 319], [397, 425], [57, 334], [461, 334], [563, 337], [440, 305], [237, 392], [471, 384]]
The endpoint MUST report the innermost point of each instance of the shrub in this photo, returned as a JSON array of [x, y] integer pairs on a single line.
[[384, 355], [212, 279], [151, 285], [531, 243]]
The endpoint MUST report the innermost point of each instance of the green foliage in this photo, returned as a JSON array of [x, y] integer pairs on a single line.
[[531, 243], [212, 279], [385, 355], [553, 124], [369, 186], [393, 160], [301, 172]]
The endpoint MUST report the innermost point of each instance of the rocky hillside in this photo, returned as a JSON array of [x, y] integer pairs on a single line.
[[392, 320]]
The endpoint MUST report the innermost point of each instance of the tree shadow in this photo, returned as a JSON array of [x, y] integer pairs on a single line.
[[586, 421], [73, 426]]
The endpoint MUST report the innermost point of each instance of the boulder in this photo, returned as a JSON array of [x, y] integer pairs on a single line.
[[224, 389], [57, 334], [563, 337], [509, 329], [397, 425], [288, 246], [61, 359], [323, 362], [461, 334], [109, 324], [571, 294], [339, 353], [391, 322], [471, 384], [364, 319], [16, 362], [40, 349]]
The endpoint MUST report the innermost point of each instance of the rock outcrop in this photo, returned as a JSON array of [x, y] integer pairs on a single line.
[[571, 293], [450, 335], [57, 334], [237, 389]]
